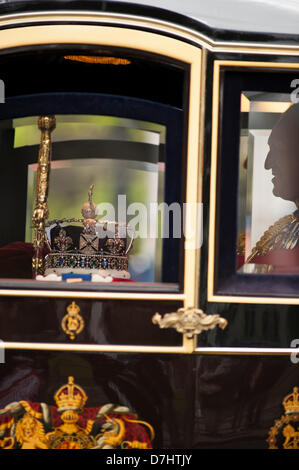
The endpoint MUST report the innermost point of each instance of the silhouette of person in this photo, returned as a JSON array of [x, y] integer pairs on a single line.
[[278, 250]]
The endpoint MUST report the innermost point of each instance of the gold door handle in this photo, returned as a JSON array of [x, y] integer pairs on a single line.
[[72, 323], [189, 321]]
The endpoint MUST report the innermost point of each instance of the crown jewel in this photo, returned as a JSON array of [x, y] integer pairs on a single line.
[[291, 402], [95, 247], [70, 396]]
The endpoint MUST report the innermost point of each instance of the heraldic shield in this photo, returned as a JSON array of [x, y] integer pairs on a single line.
[[284, 434], [69, 425]]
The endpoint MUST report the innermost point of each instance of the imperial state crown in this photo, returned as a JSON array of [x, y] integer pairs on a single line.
[[94, 247]]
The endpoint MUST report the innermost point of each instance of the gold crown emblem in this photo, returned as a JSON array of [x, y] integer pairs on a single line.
[[70, 396], [73, 309], [291, 402]]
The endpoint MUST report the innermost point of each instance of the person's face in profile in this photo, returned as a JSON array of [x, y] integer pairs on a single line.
[[283, 158]]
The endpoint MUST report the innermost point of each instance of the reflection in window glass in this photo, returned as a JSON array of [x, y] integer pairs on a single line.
[[268, 194]]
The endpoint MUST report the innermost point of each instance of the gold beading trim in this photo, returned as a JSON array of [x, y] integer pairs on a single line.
[[159, 26], [95, 348]]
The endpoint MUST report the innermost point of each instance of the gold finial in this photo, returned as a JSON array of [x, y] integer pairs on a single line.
[[71, 387], [46, 123]]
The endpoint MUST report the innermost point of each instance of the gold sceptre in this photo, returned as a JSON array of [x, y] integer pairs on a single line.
[[46, 124]]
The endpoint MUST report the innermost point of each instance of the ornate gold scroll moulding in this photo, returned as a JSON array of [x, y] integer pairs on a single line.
[[190, 321]]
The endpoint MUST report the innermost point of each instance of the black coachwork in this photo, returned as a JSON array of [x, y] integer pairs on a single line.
[[222, 388]]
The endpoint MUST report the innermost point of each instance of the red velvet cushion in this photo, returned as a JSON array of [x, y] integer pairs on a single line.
[[16, 260]]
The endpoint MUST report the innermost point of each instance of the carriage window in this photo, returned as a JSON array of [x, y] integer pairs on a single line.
[[94, 165], [117, 167]]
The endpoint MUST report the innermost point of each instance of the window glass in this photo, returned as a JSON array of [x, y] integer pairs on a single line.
[[123, 160]]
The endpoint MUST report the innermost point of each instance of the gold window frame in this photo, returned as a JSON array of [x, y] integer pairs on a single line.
[[219, 66], [143, 41]]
